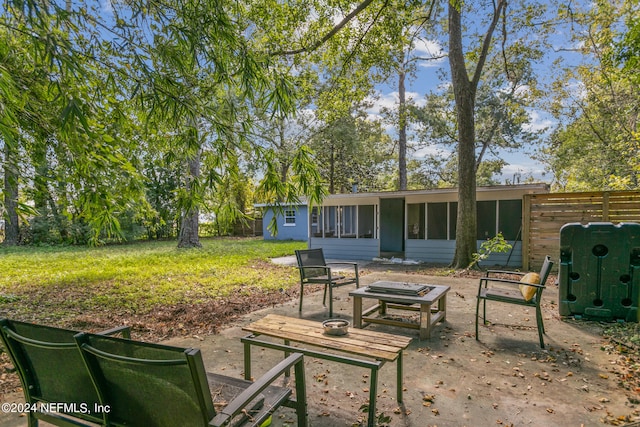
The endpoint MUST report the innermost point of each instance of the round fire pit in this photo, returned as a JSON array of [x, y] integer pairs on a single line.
[[336, 326]]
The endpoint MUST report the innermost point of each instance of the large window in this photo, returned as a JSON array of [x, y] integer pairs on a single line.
[[493, 216], [437, 217], [486, 217], [510, 219], [453, 220], [345, 222], [316, 222], [366, 221], [504, 216], [415, 220], [330, 220], [348, 218]]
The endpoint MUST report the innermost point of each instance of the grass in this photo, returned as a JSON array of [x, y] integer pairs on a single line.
[[138, 277]]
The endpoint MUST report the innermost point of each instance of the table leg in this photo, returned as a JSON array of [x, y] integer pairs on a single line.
[[399, 384], [383, 307], [442, 307], [357, 312], [425, 321], [247, 361], [373, 392]]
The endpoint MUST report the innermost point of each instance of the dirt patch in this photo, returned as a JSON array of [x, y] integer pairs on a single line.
[[159, 324]]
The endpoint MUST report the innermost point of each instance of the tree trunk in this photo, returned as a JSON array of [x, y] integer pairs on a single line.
[[402, 133], [332, 162], [189, 224], [464, 92], [11, 227]]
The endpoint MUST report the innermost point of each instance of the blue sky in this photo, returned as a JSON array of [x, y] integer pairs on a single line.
[[519, 163]]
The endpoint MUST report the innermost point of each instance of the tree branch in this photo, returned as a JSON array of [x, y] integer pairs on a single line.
[[502, 4], [330, 34]]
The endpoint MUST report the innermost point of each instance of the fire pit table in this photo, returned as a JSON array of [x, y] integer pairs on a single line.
[[415, 297]]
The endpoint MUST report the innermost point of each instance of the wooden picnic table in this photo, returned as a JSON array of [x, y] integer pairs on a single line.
[[365, 344]]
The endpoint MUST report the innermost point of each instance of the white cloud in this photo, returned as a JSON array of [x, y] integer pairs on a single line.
[[523, 169], [538, 123], [391, 100], [429, 49], [431, 150]]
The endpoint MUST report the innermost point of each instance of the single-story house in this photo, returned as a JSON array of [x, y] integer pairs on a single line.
[[416, 225]]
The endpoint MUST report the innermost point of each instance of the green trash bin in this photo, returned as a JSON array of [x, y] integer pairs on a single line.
[[599, 272]]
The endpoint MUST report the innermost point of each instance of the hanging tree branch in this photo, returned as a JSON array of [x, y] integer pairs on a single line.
[[330, 34]]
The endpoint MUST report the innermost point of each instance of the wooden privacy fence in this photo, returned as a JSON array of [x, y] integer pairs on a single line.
[[545, 214]]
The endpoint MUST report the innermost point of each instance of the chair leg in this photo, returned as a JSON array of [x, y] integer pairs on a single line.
[[540, 326], [324, 297], [477, 314], [301, 294]]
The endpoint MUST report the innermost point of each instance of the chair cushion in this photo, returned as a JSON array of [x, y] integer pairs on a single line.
[[528, 292]]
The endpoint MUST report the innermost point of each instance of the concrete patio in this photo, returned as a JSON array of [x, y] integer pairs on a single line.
[[452, 380]]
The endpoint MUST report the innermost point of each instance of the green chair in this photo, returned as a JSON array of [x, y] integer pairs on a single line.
[[147, 385], [513, 292], [315, 270], [52, 371]]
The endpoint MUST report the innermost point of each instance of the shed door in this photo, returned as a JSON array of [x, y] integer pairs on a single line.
[[392, 225]]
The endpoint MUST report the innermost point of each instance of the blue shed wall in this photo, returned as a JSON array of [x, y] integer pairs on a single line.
[[299, 231]]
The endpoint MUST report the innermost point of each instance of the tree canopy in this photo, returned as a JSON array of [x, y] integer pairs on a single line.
[[128, 119]]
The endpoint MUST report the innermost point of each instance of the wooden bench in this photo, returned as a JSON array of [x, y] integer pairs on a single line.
[[365, 344]]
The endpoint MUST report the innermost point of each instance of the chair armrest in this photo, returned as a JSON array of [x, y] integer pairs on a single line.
[[517, 273], [486, 281], [124, 331], [352, 264], [237, 405], [324, 267]]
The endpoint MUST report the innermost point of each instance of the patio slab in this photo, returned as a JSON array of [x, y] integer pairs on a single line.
[[450, 380]]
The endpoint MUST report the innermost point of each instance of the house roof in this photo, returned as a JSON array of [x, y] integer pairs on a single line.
[[524, 188], [334, 198]]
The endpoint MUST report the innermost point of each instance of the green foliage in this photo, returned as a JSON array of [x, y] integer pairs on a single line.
[[496, 244], [596, 146], [351, 150]]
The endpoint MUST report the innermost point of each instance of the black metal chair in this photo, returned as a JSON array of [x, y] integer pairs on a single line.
[[52, 371], [509, 291], [152, 385], [315, 270]]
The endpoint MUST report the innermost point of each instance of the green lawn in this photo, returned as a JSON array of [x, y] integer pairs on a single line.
[[59, 283]]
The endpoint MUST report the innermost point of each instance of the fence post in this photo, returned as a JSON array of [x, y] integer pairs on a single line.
[[526, 230]]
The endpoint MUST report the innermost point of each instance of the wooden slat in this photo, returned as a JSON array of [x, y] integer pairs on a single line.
[[360, 342], [547, 213]]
